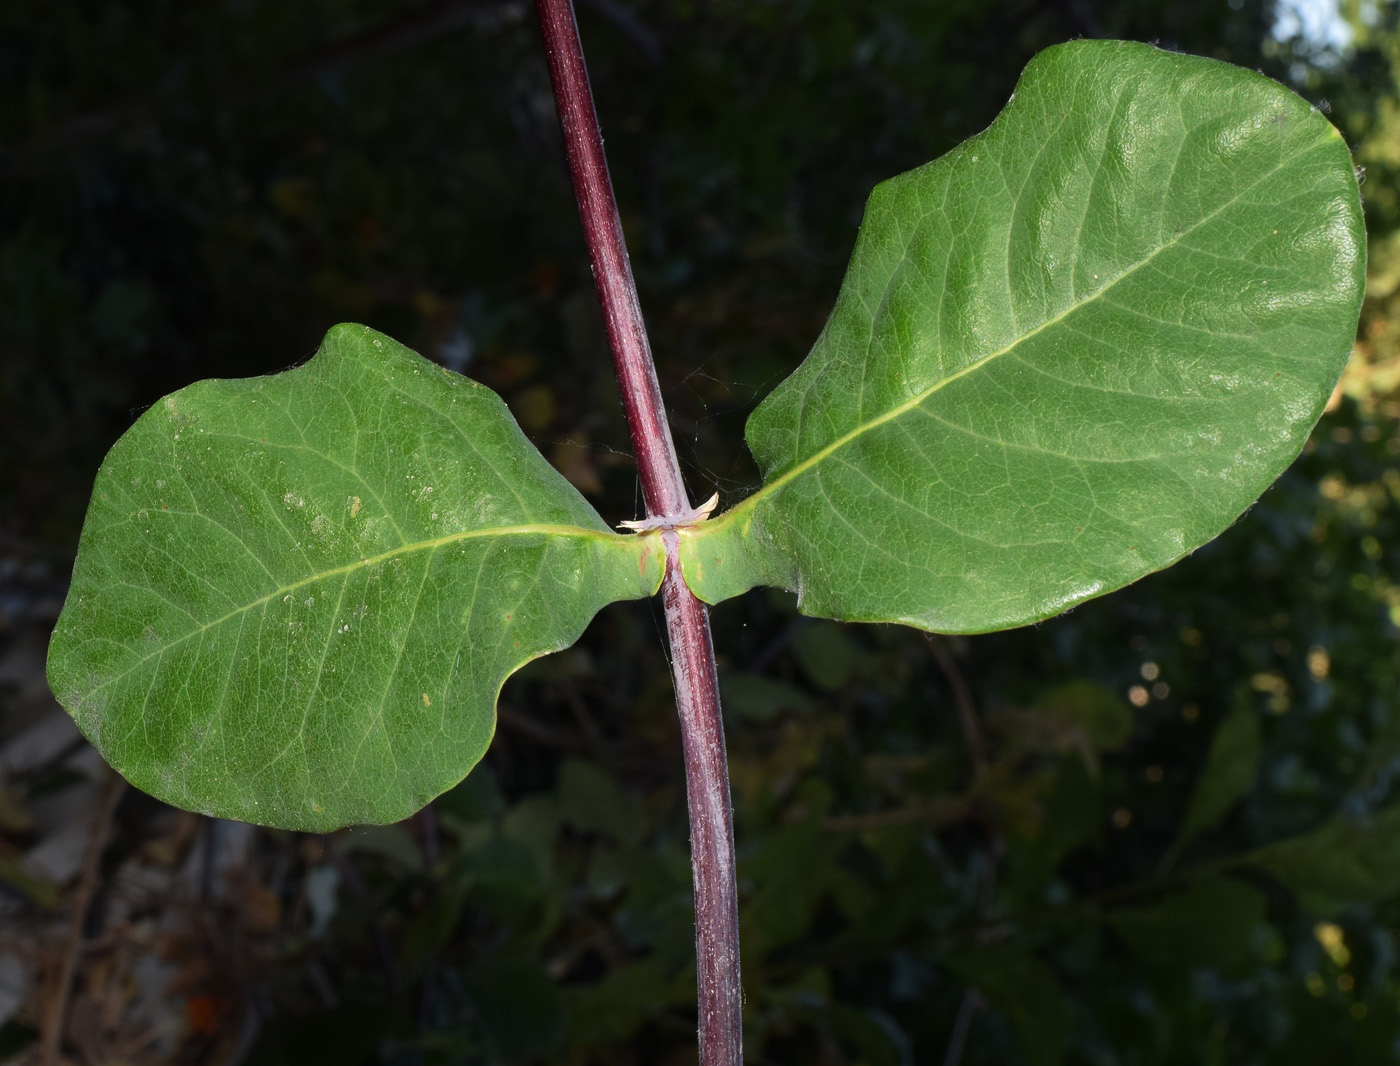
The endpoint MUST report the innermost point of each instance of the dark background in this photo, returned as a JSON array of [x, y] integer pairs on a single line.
[[201, 190]]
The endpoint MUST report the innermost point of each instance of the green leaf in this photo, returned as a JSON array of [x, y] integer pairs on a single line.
[[1064, 355], [791, 875], [1072, 816], [297, 597], [1348, 860], [759, 698], [593, 801], [1094, 717], [1209, 923], [1232, 765]]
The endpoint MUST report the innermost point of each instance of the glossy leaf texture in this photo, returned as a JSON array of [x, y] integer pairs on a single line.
[[296, 597], [1064, 355]]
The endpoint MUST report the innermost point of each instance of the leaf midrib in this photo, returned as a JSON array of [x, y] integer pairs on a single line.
[[349, 568], [802, 467]]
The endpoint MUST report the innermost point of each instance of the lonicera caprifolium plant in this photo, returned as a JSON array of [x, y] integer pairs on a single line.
[[1066, 354]]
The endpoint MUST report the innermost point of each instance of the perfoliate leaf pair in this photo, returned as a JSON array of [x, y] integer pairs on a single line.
[[1065, 354]]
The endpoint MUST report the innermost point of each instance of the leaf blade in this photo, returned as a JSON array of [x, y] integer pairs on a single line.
[[297, 597], [1045, 376]]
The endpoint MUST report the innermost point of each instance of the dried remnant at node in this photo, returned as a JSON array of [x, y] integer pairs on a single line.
[[692, 517]]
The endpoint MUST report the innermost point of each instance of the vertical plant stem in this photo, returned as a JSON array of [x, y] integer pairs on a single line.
[[687, 619], [711, 821], [657, 465]]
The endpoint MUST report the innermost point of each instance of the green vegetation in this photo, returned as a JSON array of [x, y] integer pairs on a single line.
[[1165, 829]]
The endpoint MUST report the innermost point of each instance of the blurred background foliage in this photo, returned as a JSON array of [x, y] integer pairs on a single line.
[[1162, 829]]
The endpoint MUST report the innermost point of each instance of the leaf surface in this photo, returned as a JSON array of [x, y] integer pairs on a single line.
[[1064, 355], [1349, 860], [1211, 922], [297, 597]]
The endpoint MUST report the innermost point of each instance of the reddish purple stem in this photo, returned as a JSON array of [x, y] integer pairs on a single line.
[[687, 619], [657, 464], [711, 822]]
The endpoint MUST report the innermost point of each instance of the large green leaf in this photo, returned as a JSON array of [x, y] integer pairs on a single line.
[[296, 597], [1064, 355]]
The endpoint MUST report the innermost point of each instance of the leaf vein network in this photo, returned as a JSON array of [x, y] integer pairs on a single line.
[[807, 464], [451, 538]]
